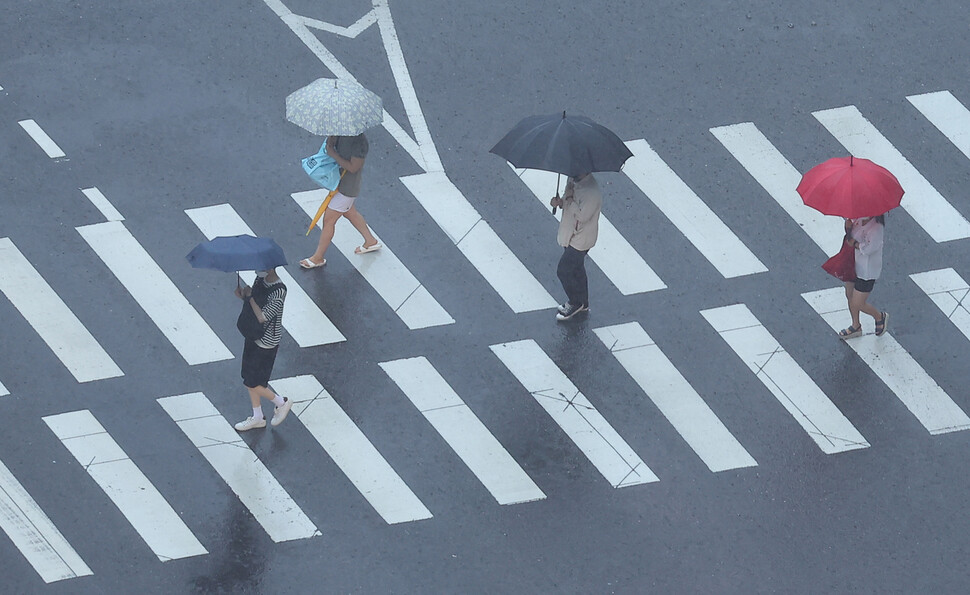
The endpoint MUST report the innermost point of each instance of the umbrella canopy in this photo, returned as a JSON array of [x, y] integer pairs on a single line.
[[237, 253], [334, 107], [850, 187], [571, 145]]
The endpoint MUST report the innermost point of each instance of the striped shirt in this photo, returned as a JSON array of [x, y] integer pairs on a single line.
[[272, 311]]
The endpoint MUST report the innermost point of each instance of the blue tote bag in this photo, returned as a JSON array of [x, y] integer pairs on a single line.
[[322, 169]]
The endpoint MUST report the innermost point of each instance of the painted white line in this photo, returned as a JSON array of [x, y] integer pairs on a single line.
[[463, 431], [101, 202], [51, 318], [34, 534], [134, 495], [154, 292], [478, 242], [779, 178], [949, 292], [618, 260], [302, 318], [786, 380], [409, 299], [950, 116], [350, 449], [3, 390], [674, 397], [40, 137], [352, 31], [894, 366], [689, 213], [927, 206], [239, 467], [587, 428]]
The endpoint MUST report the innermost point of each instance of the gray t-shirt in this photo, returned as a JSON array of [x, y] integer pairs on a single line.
[[348, 147]]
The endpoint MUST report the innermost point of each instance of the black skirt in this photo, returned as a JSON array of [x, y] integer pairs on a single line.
[[257, 364]]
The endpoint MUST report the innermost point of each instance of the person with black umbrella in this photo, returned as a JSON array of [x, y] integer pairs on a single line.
[[261, 324], [581, 204]]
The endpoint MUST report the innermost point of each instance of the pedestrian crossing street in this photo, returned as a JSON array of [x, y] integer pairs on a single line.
[[582, 419]]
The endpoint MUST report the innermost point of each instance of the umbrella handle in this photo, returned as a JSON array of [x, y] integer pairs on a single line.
[[558, 176]]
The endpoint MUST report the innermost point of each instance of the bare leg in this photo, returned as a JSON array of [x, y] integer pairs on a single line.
[[326, 235], [858, 303], [260, 392], [357, 220]]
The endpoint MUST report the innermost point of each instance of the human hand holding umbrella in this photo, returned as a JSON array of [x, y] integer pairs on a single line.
[[569, 145]]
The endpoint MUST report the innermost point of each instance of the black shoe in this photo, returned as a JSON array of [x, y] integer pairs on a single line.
[[570, 311]]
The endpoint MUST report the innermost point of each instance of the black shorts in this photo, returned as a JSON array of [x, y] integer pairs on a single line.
[[257, 364], [864, 285]]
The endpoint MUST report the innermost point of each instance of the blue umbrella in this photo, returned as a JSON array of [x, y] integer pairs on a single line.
[[237, 253]]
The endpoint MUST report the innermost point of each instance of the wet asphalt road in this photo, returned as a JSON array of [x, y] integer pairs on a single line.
[[168, 106]]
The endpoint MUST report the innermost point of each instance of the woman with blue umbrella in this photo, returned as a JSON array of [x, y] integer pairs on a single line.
[[260, 320]]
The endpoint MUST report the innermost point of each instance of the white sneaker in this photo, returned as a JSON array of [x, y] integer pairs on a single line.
[[250, 423], [279, 414]]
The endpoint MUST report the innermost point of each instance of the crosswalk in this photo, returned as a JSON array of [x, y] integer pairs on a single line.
[[541, 378]]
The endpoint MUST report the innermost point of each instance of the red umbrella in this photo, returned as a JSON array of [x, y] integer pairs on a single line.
[[851, 188]]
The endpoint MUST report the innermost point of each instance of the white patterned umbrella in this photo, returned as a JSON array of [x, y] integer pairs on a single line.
[[334, 107]]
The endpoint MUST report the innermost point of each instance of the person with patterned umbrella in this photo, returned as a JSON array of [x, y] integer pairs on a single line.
[[342, 110]]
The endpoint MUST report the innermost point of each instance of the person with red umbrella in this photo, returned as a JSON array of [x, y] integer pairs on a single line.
[[861, 192]]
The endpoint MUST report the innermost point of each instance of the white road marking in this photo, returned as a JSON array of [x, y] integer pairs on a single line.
[[949, 292], [689, 213], [950, 116], [927, 206], [463, 431], [134, 495], [587, 428], [409, 299], [779, 178], [478, 242], [674, 397], [239, 467], [786, 380], [40, 137], [3, 390], [894, 366], [34, 534], [302, 318], [618, 260], [101, 202], [155, 292], [351, 450], [51, 318]]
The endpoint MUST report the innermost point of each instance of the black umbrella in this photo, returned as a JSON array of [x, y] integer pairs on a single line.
[[237, 253], [570, 145]]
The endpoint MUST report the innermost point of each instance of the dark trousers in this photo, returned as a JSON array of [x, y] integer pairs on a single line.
[[572, 275]]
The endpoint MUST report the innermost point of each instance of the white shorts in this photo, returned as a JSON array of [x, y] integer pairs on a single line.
[[341, 203]]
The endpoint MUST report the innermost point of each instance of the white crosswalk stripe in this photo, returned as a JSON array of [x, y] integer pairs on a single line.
[[42, 139], [927, 206], [239, 467], [463, 431], [618, 260], [895, 366], [56, 324], [409, 299], [786, 380], [101, 202], [155, 292], [674, 396], [134, 495], [779, 178], [950, 116], [475, 238], [3, 390], [949, 292], [569, 408], [302, 318], [34, 534], [689, 213], [351, 450]]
